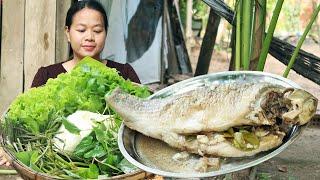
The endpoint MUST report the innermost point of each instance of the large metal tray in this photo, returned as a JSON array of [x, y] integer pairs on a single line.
[[136, 147]]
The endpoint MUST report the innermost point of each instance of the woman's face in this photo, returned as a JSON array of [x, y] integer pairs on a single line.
[[87, 33]]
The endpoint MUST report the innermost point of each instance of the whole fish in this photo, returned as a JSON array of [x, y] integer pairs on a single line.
[[213, 109]]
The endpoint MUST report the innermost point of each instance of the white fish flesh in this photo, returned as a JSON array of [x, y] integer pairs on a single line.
[[215, 109]]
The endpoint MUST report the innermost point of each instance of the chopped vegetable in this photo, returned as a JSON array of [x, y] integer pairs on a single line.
[[245, 140]]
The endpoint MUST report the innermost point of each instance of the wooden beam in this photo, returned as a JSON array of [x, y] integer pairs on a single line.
[[170, 54], [62, 47], [39, 36], [189, 25], [232, 45], [12, 41], [208, 43]]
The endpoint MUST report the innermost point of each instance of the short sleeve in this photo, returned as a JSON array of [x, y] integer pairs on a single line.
[[40, 78]]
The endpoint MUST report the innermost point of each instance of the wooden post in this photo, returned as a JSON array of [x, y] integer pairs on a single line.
[[62, 48], [12, 42], [232, 45], [39, 36], [208, 43], [170, 52], [189, 25]]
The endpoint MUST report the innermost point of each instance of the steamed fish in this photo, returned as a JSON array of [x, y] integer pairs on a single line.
[[214, 109], [218, 144]]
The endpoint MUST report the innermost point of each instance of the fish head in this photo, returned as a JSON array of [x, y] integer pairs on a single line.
[[303, 106]]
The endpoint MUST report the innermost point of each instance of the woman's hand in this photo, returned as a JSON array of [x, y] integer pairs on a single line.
[[4, 159]]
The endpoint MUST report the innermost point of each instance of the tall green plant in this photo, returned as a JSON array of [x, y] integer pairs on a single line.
[[301, 40], [244, 32], [267, 41], [238, 36]]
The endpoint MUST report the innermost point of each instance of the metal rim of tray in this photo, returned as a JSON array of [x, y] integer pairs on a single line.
[[294, 133]]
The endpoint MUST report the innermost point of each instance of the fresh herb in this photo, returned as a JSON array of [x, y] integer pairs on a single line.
[[83, 88], [35, 116], [70, 127]]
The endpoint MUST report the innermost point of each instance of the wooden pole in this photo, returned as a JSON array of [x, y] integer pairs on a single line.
[[62, 48], [12, 42], [189, 25], [40, 30], [208, 43], [171, 54], [232, 45]]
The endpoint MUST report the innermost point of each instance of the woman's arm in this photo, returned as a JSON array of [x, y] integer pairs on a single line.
[[4, 159]]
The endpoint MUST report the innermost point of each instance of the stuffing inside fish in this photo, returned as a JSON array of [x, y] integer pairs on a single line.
[[211, 110]]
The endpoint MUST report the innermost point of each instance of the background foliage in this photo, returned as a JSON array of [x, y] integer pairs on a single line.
[[293, 18]]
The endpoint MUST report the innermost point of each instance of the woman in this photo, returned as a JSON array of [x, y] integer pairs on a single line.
[[86, 30]]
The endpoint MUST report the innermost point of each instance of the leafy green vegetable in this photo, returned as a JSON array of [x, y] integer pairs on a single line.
[[33, 159], [24, 157], [101, 147], [89, 173], [35, 116], [85, 145], [126, 166], [70, 127], [81, 89], [71, 174], [98, 152]]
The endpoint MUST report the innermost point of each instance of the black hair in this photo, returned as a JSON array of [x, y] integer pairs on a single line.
[[79, 5]]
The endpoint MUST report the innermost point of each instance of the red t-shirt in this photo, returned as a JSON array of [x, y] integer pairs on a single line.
[[52, 71]]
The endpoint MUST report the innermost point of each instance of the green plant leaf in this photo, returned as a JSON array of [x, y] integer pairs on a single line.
[[71, 174], [93, 171], [70, 127], [126, 166], [98, 152], [84, 146], [33, 160], [24, 157]]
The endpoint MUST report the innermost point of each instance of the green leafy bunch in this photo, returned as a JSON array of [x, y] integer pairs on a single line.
[[83, 88], [101, 148]]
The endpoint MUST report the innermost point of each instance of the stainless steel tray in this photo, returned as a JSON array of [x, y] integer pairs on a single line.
[[147, 153]]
